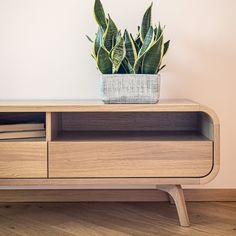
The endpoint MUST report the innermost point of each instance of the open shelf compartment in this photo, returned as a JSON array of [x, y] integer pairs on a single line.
[[125, 126], [22, 126], [130, 145]]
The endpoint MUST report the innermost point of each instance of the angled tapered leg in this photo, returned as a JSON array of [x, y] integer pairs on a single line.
[[176, 193]]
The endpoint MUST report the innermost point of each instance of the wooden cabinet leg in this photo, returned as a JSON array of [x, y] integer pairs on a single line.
[[176, 193], [171, 200]]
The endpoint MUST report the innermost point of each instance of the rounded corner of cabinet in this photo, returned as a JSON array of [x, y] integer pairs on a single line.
[[211, 113], [211, 176]]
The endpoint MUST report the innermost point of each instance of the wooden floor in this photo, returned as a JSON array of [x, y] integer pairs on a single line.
[[68, 219]]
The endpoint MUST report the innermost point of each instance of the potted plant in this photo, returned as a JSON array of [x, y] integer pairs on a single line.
[[130, 66]]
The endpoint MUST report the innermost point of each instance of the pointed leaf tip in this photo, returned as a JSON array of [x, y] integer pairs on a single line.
[[89, 39], [166, 47], [146, 22], [99, 14]]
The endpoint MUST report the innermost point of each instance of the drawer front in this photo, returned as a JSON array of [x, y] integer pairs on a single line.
[[23, 160], [130, 159]]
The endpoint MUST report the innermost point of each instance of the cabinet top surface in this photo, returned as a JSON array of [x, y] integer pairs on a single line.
[[93, 105]]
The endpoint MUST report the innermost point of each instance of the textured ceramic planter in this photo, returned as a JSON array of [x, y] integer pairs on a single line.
[[130, 88]]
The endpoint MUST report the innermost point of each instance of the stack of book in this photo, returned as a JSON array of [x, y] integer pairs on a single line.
[[22, 131]]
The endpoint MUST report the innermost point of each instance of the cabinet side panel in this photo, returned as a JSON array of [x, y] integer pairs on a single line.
[[215, 133]]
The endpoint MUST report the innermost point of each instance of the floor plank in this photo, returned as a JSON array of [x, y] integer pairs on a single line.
[[118, 219]]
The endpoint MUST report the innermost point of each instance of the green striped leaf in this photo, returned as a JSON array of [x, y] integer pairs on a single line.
[[131, 53], [135, 43], [153, 57], [146, 23], [147, 42], [137, 65], [110, 34], [98, 41], [161, 68], [118, 55], [158, 31], [114, 40], [127, 66], [122, 70], [99, 14], [146, 45], [138, 42], [103, 61], [118, 37]]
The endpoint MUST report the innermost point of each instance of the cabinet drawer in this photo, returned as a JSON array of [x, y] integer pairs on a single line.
[[23, 160], [130, 159]]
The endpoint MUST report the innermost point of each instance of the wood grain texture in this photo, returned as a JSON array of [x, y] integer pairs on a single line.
[[23, 159], [131, 194], [21, 127], [48, 126], [118, 219], [91, 183], [216, 137], [176, 193], [216, 160], [95, 106], [130, 159], [22, 135], [21, 109]]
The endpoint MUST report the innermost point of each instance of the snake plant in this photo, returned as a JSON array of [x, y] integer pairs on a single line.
[[120, 53]]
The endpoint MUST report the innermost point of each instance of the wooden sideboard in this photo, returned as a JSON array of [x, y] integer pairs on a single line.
[[92, 145]]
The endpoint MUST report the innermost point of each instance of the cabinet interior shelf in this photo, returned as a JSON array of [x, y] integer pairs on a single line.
[[24, 140], [87, 136]]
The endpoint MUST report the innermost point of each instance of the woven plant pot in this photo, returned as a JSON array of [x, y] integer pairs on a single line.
[[130, 88]]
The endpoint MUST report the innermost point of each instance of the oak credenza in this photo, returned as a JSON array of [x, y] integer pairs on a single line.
[[87, 144]]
